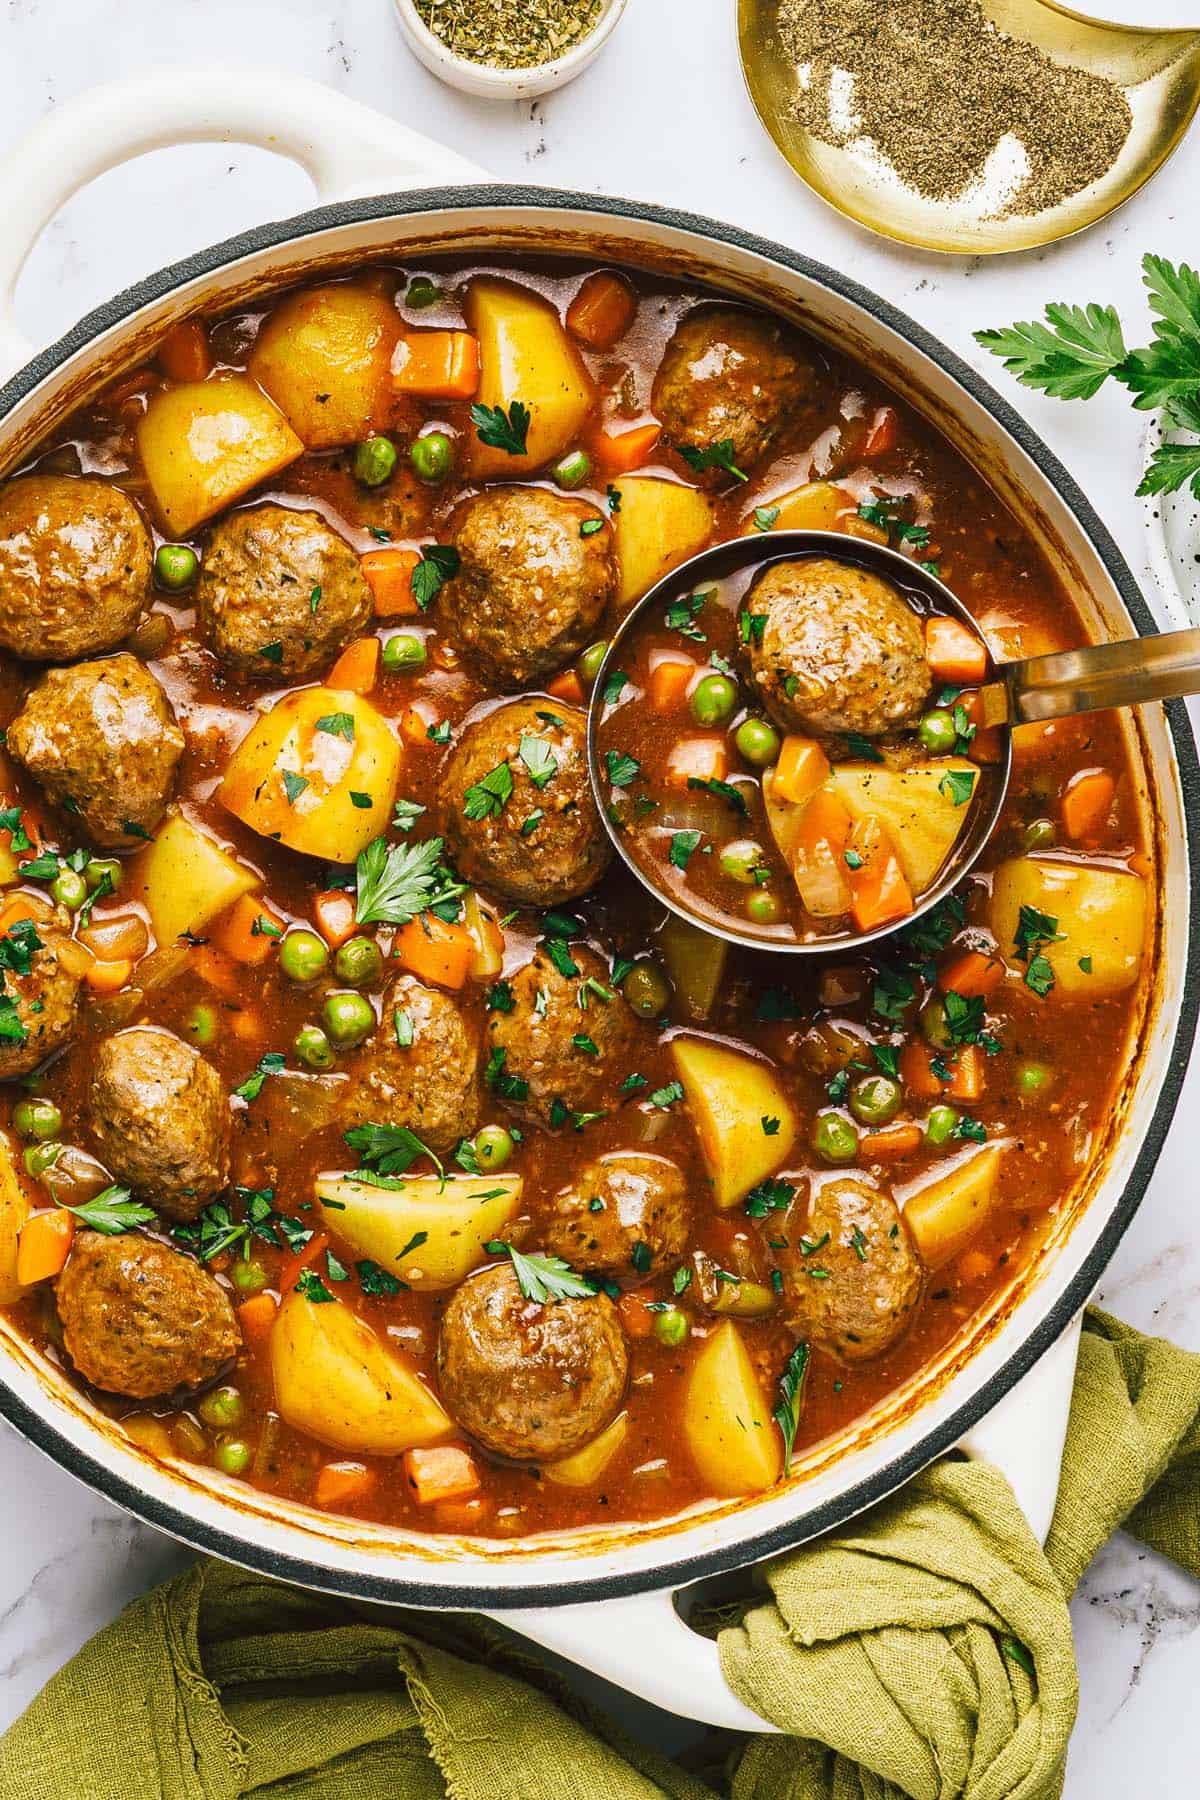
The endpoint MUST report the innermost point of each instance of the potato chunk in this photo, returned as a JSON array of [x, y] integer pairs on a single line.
[[186, 879], [1101, 913], [726, 1420], [430, 1233], [317, 773], [919, 807], [14, 1210], [583, 1468], [205, 443], [658, 525], [944, 1214], [525, 355], [336, 1380], [817, 506], [324, 356], [743, 1116]]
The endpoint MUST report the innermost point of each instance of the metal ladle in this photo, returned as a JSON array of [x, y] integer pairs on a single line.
[[1158, 71], [1039, 688]]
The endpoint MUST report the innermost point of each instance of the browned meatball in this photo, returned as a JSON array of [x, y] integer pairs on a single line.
[[528, 1381], [279, 593], [531, 587], [729, 376], [538, 840], [160, 1115], [142, 1319], [840, 650], [431, 1085], [74, 567], [627, 1214], [855, 1294], [536, 1064], [38, 1010], [101, 737]]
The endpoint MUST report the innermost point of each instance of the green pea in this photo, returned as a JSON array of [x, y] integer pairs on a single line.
[[303, 956], [100, 869], [175, 567], [834, 1138], [69, 889], [713, 700], [1039, 834], [348, 1018], [40, 1157], [939, 1126], [232, 1456], [671, 1328], [202, 1025], [937, 732], [358, 962], [573, 470], [422, 293], [647, 989], [740, 860], [757, 741], [763, 907], [403, 652], [431, 456], [223, 1406], [493, 1146], [875, 1100], [589, 663], [38, 1119], [313, 1048], [1032, 1078], [932, 1019], [248, 1276], [374, 461]]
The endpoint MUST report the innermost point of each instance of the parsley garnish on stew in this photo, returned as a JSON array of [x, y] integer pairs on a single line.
[[791, 1387], [270, 1064], [439, 564], [395, 884], [724, 790], [544, 1278], [539, 759], [622, 769], [487, 799], [338, 724], [1035, 928], [113, 1211], [388, 1149], [765, 517], [714, 456], [501, 430]]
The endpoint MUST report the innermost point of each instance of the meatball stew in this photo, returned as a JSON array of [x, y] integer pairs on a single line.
[[371, 1136]]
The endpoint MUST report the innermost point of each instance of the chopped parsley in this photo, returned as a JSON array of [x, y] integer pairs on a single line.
[[543, 1279], [293, 785], [113, 1211], [1035, 928], [252, 1087], [885, 512], [313, 1289], [957, 785], [395, 884], [539, 759], [622, 769], [682, 614], [724, 790], [502, 430], [614, 686], [338, 724], [713, 456], [765, 517], [667, 1096], [388, 1149], [751, 626], [487, 799], [862, 747], [509, 1087], [590, 527], [769, 1196], [439, 564], [683, 845], [402, 1027], [376, 1281], [405, 814], [791, 1387]]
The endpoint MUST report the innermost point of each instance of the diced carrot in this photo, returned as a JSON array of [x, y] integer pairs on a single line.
[[973, 1266], [462, 1515], [1086, 803], [333, 912], [636, 1316], [697, 759], [338, 1483], [246, 1023], [1139, 864], [215, 968], [602, 311], [973, 973], [620, 452], [435, 949], [388, 573], [438, 365], [256, 1318], [416, 722], [884, 432], [819, 856], [802, 768], [879, 888], [108, 977], [44, 1244], [890, 1144], [967, 1073], [669, 683], [357, 668], [568, 687], [442, 1472], [916, 1070], [302, 1259], [241, 935], [954, 653], [184, 354], [19, 907]]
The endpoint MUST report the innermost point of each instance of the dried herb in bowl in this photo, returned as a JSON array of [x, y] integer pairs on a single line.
[[510, 34]]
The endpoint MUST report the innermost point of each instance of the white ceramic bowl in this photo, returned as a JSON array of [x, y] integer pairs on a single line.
[[504, 84]]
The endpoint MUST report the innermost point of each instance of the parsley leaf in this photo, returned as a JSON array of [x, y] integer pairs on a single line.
[[622, 769], [769, 1196], [252, 1087], [388, 1149], [500, 430], [791, 1386], [509, 1087], [396, 883], [724, 790], [539, 758], [714, 456], [957, 785], [310, 1285], [667, 1096], [765, 517], [113, 1212], [338, 724], [1070, 358], [862, 747], [405, 814], [439, 564], [614, 686], [293, 785], [683, 843], [374, 1280], [487, 799], [543, 1278]]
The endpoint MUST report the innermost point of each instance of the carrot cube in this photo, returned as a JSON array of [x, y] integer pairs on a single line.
[[620, 452], [669, 683], [248, 931], [437, 365], [443, 1472], [697, 759], [341, 1482], [388, 573], [802, 768], [184, 354], [1087, 802], [568, 687], [44, 1244], [357, 668], [436, 950], [602, 311], [954, 653]]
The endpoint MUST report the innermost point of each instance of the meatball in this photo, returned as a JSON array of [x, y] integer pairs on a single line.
[[141, 1319], [536, 1063], [728, 376], [279, 593], [853, 1296], [531, 587], [627, 1215], [533, 834], [101, 737], [840, 649], [38, 1010], [160, 1116], [75, 563], [532, 1382], [432, 1085]]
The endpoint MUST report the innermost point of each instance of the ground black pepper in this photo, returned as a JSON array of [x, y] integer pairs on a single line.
[[510, 34], [937, 89]]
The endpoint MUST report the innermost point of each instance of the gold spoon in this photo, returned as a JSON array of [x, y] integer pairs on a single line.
[[1158, 70]]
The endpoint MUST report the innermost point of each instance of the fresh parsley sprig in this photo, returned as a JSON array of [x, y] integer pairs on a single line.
[[501, 430], [544, 1278], [397, 882]]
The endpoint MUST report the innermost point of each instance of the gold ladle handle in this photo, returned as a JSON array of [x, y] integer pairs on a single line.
[[1096, 677]]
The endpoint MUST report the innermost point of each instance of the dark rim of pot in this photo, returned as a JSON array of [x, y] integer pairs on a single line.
[[744, 1545]]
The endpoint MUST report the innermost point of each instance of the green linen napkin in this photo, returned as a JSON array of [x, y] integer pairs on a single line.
[[925, 1651]]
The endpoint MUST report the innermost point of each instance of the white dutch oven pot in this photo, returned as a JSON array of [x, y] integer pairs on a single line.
[[605, 1598]]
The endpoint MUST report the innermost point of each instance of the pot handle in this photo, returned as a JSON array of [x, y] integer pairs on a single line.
[[347, 149], [644, 1645]]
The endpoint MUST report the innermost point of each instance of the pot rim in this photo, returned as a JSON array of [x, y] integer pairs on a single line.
[[748, 1546]]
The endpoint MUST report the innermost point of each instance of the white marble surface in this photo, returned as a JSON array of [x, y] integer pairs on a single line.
[[662, 116]]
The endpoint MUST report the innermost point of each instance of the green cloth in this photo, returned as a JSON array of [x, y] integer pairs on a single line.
[[925, 1651]]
